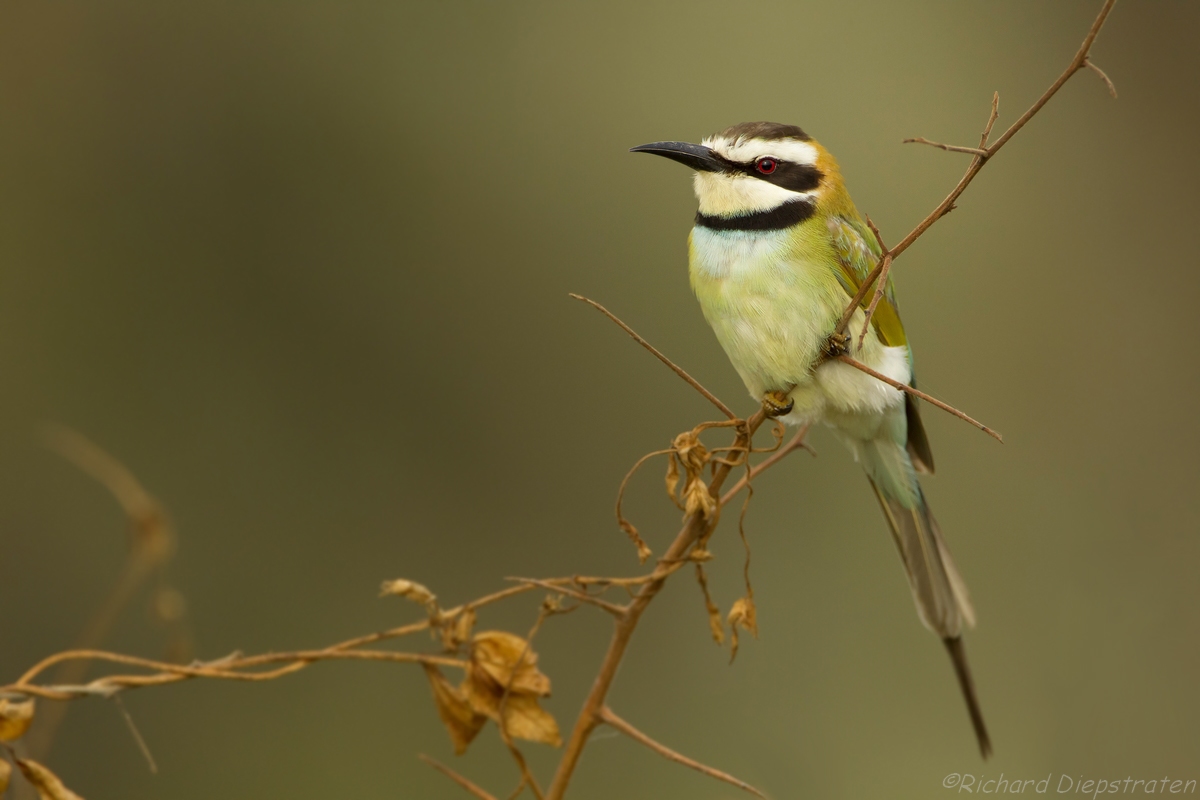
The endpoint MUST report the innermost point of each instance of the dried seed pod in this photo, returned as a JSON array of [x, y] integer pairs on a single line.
[[15, 718]]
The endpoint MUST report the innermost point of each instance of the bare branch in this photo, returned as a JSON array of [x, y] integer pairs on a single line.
[[904, 387], [1079, 62], [584, 580], [454, 776], [953, 148], [856, 301], [137, 734], [678, 370], [174, 673], [796, 443], [885, 266], [643, 549], [992, 117], [612, 608], [613, 721], [1112, 90]]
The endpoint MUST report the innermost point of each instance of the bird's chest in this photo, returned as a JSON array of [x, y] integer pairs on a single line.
[[770, 302]]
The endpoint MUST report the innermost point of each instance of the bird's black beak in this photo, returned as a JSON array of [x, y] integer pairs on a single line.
[[696, 156]]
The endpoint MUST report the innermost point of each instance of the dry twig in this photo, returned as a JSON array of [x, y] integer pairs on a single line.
[[904, 387], [982, 155], [797, 442], [616, 723], [885, 267], [582, 597], [454, 776], [695, 384]]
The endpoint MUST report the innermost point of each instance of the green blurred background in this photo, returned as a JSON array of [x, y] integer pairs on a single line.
[[304, 267]]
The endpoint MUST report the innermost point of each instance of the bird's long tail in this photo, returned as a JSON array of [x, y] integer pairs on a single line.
[[938, 589]]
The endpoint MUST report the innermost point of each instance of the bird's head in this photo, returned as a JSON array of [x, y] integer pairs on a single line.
[[753, 169]]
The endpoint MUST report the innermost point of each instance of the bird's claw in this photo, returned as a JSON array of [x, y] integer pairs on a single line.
[[838, 344], [777, 404]]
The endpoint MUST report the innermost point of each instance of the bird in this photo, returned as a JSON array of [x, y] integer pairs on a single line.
[[777, 252]]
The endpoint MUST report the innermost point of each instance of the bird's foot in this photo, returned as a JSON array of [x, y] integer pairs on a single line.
[[777, 404], [838, 344]]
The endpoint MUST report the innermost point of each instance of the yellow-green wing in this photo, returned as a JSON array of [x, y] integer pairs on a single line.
[[858, 252]]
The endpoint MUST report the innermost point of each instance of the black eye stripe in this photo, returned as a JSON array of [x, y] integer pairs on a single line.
[[787, 175]]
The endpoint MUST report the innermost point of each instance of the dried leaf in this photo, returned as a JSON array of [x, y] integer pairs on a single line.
[[692, 453], [714, 613], [455, 710], [643, 550], [410, 590], [503, 680], [48, 785], [5, 773], [744, 614], [458, 631], [509, 662], [465, 624], [697, 499], [523, 717], [15, 717], [672, 478]]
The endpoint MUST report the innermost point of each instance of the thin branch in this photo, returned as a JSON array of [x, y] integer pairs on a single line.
[[904, 387], [1079, 62], [584, 580], [1112, 90], [612, 608], [454, 776], [174, 673], [885, 266], [137, 735], [643, 549], [856, 301], [995, 115], [613, 721], [796, 443], [487, 600], [953, 148], [695, 384]]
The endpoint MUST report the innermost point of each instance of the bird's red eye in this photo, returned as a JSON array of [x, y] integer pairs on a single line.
[[766, 165]]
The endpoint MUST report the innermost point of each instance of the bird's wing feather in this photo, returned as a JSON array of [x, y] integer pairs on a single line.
[[858, 252]]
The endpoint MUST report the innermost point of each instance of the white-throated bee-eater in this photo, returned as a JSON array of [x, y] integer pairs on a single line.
[[776, 255]]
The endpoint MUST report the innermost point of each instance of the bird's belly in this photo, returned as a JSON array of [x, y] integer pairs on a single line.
[[772, 313]]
